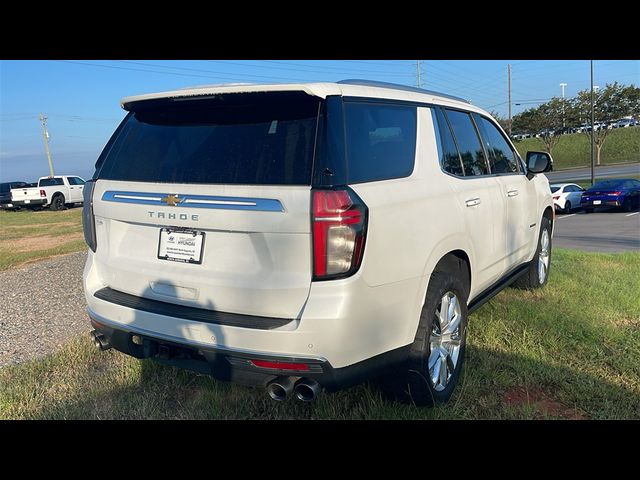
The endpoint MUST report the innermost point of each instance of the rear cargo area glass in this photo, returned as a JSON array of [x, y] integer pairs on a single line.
[[248, 139]]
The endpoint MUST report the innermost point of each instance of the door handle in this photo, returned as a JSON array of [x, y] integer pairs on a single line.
[[512, 193], [472, 202]]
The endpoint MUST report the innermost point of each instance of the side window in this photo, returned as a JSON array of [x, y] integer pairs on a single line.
[[466, 136], [381, 141], [75, 181], [449, 156], [501, 157]]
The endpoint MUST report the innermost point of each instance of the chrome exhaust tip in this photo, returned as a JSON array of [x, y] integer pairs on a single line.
[[280, 388], [100, 341], [307, 390]]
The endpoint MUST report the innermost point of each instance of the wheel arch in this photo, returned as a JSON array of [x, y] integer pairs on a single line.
[[548, 213], [456, 247]]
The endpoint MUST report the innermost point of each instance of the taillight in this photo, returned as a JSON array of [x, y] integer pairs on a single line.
[[43, 193], [339, 223], [556, 197], [88, 220], [614, 194]]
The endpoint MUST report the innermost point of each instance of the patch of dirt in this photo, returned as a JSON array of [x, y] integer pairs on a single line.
[[542, 402], [629, 322], [44, 225], [44, 242]]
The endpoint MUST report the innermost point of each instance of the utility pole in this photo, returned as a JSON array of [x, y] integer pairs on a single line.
[[45, 134], [562, 85], [509, 76], [418, 74], [593, 133]]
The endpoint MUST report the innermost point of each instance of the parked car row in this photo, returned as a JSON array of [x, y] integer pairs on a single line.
[[56, 192], [623, 193], [585, 127]]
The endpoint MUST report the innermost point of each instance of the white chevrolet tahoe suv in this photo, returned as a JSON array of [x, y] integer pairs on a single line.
[[309, 236]]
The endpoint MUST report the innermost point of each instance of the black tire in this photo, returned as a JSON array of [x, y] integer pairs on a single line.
[[57, 203], [627, 205], [412, 382], [567, 207], [531, 279]]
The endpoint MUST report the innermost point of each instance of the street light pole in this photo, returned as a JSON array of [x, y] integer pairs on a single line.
[[562, 85], [593, 133]]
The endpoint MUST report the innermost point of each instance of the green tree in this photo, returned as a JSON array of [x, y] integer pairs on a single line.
[[523, 121], [545, 120], [611, 103], [548, 119]]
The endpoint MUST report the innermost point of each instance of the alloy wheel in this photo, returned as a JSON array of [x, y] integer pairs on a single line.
[[445, 341], [543, 256]]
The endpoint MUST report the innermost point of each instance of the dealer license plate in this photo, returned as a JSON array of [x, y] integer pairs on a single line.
[[178, 245]]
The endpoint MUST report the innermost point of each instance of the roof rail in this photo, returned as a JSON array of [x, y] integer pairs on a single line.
[[395, 86]]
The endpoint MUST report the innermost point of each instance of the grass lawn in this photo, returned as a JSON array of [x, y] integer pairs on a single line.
[[26, 235], [571, 350], [621, 146]]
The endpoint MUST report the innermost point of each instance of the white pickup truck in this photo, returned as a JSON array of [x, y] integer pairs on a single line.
[[57, 192]]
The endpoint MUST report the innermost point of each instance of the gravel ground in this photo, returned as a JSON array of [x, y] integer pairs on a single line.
[[42, 306]]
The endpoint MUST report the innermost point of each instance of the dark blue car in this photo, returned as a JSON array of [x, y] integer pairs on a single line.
[[624, 192]]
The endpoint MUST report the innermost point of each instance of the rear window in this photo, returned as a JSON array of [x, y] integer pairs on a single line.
[[381, 141], [606, 185], [554, 189], [248, 138], [49, 182]]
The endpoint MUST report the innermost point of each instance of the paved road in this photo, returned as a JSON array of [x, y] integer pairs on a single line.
[[605, 231], [600, 172]]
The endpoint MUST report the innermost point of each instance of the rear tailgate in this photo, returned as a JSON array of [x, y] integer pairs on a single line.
[[255, 261], [235, 175], [25, 194]]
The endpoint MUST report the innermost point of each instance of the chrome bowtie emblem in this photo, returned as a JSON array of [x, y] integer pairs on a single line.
[[171, 200]]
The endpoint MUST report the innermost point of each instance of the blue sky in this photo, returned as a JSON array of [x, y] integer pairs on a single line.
[[81, 97]]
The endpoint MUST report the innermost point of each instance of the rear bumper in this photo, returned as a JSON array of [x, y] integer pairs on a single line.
[[25, 203], [617, 202], [237, 366], [342, 322]]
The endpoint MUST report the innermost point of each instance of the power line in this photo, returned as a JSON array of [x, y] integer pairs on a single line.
[[220, 77], [311, 68], [186, 69]]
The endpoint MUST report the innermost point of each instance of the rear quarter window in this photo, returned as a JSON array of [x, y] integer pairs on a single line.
[[380, 142]]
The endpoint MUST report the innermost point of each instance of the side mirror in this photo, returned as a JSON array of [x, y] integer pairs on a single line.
[[538, 162]]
